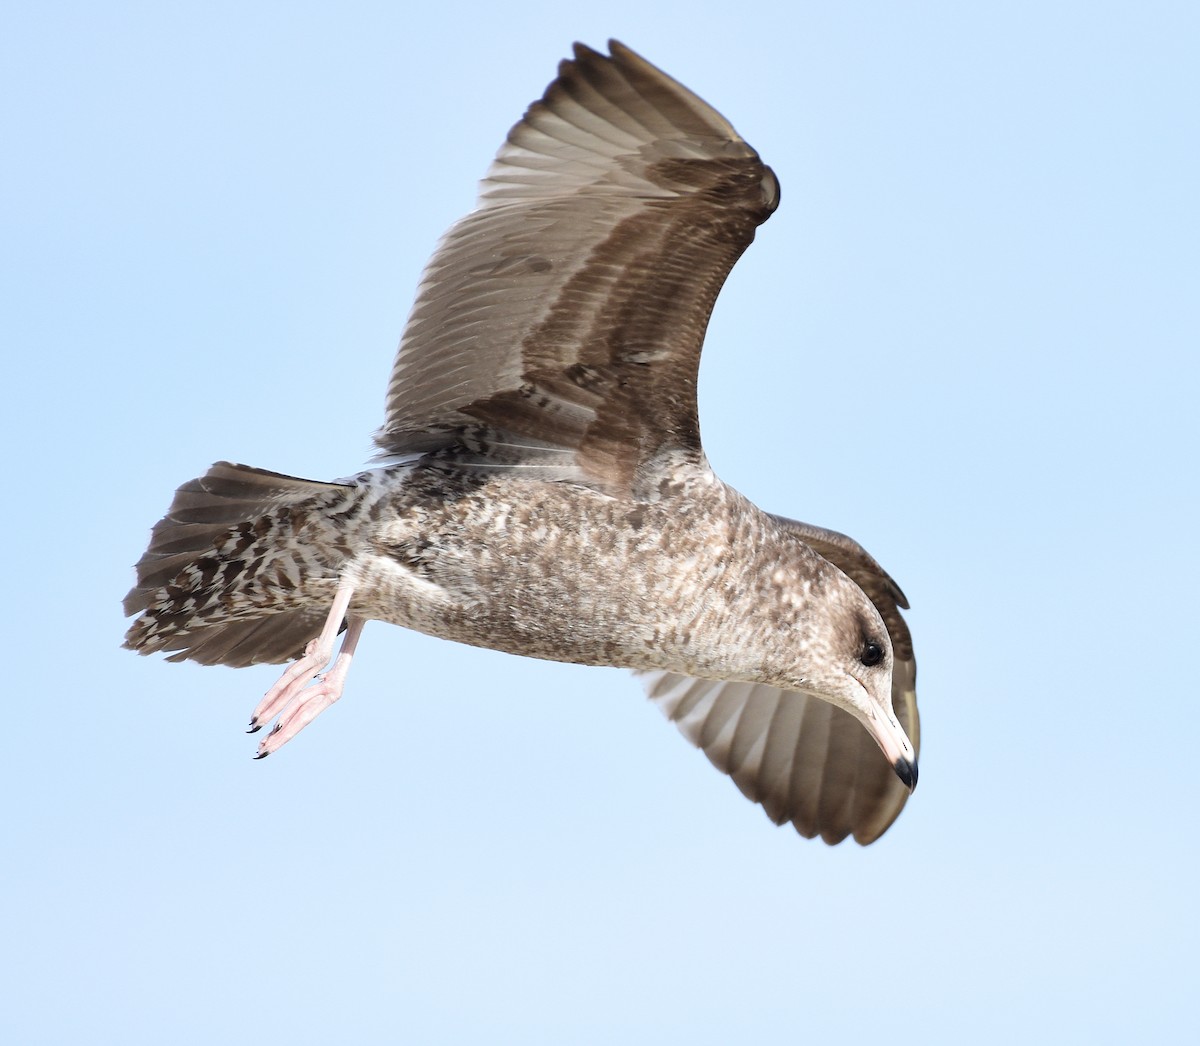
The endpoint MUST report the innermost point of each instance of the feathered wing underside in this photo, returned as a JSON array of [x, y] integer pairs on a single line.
[[562, 320], [804, 760]]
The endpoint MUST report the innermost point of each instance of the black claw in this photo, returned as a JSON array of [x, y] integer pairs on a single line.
[[262, 755], [255, 726]]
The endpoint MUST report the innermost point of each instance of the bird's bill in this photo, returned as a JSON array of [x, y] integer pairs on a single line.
[[885, 728]]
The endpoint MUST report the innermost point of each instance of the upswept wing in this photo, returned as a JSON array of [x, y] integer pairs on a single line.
[[567, 312], [802, 759]]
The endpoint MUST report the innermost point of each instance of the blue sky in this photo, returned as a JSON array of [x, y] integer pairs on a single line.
[[967, 338]]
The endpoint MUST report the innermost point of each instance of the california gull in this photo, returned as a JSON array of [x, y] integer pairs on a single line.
[[542, 488]]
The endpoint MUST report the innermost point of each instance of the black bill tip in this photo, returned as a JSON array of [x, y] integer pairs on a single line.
[[906, 770]]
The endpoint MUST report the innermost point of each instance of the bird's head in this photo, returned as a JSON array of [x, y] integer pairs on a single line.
[[841, 652]]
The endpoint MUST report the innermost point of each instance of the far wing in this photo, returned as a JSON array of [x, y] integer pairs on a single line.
[[802, 759]]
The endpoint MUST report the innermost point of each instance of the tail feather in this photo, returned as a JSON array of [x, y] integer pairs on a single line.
[[229, 577], [263, 641]]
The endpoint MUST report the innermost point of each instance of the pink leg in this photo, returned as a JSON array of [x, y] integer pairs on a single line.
[[292, 698]]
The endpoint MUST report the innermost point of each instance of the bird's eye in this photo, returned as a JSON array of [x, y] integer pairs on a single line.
[[872, 654]]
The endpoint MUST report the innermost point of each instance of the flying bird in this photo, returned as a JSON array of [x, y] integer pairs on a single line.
[[541, 487]]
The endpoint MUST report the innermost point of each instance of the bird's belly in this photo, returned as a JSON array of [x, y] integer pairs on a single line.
[[559, 616], [588, 588]]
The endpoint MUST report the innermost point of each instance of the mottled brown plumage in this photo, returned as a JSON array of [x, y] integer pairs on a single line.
[[544, 490]]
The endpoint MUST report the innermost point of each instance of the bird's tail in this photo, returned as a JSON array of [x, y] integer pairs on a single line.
[[235, 574]]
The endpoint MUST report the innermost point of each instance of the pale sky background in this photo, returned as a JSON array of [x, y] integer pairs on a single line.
[[968, 337]]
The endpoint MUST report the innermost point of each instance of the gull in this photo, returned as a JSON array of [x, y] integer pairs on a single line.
[[541, 487]]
